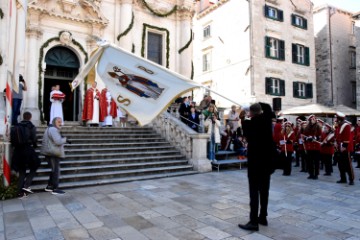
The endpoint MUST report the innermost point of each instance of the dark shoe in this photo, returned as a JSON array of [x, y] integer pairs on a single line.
[[49, 189], [296, 165], [302, 170], [28, 190], [58, 192], [22, 195], [327, 174], [351, 183], [249, 226], [310, 177], [315, 177], [357, 167], [341, 181], [263, 221]]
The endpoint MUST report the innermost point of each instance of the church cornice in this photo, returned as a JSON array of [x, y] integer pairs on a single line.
[[212, 8], [65, 11]]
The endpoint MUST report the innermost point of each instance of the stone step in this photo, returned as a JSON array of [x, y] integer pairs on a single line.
[[95, 155], [111, 140], [125, 160], [100, 136], [112, 145], [65, 185], [112, 167], [112, 174]]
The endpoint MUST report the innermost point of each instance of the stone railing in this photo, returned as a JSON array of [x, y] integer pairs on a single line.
[[187, 141]]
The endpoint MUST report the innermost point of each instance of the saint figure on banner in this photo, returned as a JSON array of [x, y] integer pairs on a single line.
[[91, 108], [141, 86], [56, 98], [108, 110]]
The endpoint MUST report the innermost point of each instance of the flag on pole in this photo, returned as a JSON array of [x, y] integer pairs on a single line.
[[143, 88]]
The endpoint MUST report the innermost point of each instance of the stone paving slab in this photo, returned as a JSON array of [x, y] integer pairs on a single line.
[[197, 207]]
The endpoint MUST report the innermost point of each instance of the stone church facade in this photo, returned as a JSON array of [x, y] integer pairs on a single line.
[[61, 35]]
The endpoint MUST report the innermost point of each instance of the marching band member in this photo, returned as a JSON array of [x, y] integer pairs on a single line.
[[327, 148], [286, 143], [311, 134], [343, 147]]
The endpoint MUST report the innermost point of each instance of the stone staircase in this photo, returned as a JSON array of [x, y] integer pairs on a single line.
[[111, 155]]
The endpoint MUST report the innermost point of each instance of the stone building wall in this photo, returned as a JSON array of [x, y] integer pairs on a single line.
[[335, 41], [264, 67]]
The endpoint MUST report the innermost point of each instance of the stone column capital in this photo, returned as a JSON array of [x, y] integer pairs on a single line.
[[34, 32], [126, 1]]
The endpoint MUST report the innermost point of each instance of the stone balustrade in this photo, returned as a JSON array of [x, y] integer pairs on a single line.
[[187, 141]]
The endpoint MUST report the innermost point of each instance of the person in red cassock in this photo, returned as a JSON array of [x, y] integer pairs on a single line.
[[91, 108], [108, 109], [343, 148]]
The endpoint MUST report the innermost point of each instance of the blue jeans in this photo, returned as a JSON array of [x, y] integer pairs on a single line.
[[54, 164], [212, 147], [16, 104]]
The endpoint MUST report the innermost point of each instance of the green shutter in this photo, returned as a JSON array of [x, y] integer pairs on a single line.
[[295, 89], [307, 56], [282, 87], [280, 15], [294, 53], [293, 19], [305, 23], [268, 83], [309, 90], [281, 50], [266, 11], [267, 46]]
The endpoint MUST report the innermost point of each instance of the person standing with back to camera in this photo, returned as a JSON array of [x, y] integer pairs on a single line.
[[261, 153], [17, 98]]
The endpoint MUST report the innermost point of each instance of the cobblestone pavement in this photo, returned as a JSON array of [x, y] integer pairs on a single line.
[[201, 206]]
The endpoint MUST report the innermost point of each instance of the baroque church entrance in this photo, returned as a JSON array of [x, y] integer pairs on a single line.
[[62, 66]]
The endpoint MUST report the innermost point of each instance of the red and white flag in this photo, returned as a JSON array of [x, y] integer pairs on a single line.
[[141, 87]]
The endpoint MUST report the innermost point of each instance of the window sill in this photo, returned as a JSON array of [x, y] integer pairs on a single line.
[[302, 64], [275, 19], [274, 58]]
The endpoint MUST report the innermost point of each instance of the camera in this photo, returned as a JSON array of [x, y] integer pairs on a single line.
[[21, 78]]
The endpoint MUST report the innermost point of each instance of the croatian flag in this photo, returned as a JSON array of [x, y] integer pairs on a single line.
[[141, 87]]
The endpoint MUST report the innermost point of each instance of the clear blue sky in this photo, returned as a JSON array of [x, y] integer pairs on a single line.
[[349, 5]]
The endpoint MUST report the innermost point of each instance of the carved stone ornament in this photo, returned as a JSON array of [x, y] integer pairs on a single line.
[[66, 38]]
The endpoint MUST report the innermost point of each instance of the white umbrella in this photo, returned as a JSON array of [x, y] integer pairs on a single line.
[[316, 109], [348, 111]]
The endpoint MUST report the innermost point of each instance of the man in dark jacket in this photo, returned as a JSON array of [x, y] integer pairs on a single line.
[[24, 156], [261, 151]]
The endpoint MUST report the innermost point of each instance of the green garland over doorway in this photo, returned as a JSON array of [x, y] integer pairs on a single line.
[[145, 26], [41, 57], [173, 10]]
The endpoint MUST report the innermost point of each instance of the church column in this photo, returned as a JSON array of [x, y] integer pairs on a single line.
[[185, 30], [126, 11], [32, 75], [20, 38]]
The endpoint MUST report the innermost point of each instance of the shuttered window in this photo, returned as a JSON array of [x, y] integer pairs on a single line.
[[274, 48], [274, 13], [298, 21], [274, 86], [302, 90], [300, 54]]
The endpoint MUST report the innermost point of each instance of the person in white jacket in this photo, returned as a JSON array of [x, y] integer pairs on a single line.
[[213, 125]]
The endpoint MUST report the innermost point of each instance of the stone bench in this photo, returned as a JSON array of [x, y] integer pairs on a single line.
[[230, 157]]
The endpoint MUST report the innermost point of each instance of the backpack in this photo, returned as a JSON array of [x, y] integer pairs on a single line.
[[19, 135]]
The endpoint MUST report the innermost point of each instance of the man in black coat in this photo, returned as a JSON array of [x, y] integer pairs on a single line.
[[24, 155], [261, 151]]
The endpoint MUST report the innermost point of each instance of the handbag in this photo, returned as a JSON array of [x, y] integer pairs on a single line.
[[52, 150]]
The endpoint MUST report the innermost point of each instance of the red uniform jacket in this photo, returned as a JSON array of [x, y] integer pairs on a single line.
[[344, 135], [327, 146], [313, 131], [87, 113], [277, 133], [285, 137]]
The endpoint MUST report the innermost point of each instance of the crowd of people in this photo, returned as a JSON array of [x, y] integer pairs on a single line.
[[227, 137], [314, 144]]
